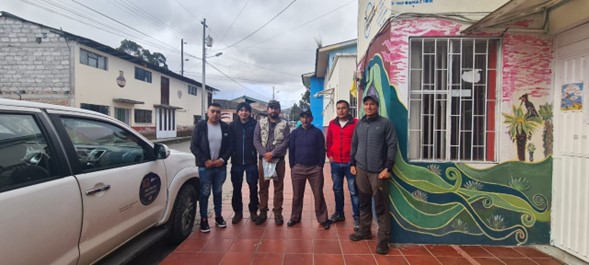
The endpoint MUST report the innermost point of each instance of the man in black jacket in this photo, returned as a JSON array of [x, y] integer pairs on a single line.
[[244, 159], [212, 146], [374, 146]]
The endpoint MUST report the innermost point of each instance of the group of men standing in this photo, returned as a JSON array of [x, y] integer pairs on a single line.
[[360, 151]]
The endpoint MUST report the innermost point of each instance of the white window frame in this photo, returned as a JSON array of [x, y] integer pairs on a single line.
[[446, 102]]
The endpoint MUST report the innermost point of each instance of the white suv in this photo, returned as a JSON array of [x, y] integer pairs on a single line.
[[75, 185]]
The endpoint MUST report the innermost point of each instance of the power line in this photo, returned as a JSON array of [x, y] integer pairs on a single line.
[[121, 23], [187, 10], [302, 25], [260, 28], [232, 23], [235, 81]]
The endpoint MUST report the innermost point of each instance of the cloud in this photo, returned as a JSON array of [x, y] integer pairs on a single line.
[[275, 56]]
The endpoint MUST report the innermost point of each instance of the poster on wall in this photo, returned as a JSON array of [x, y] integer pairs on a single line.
[[572, 96]]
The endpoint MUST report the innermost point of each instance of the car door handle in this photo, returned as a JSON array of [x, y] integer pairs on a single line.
[[97, 189]]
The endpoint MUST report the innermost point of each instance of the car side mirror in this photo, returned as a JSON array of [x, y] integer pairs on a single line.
[[161, 151]]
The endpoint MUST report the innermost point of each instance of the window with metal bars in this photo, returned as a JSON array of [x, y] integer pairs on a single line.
[[452, 99]]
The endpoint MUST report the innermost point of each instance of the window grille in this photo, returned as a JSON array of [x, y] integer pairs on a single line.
[[142, 116], [452, 99]]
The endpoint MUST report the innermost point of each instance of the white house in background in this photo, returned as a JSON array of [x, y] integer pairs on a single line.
[[44, 64], [331, 81]]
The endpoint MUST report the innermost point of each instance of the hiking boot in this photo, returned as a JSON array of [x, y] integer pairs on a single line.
[[220, 222], [254, 216], [357, 236], [278, 219], [382, 247], [237, 218], [356, 223], [262, 217], [204, 225], [336, 217]]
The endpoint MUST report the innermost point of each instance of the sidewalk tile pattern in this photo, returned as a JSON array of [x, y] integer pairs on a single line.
[[308, 243]]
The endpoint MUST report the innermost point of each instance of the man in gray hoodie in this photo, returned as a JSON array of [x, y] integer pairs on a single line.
[[374, 146]]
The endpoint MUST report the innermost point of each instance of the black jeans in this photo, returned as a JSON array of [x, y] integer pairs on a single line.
[[251, 175]]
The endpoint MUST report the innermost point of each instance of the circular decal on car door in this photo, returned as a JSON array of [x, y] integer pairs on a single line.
[[150, 188]]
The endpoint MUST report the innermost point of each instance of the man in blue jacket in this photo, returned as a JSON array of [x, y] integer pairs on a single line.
[[244, 159], [211, 145], [374, 146]]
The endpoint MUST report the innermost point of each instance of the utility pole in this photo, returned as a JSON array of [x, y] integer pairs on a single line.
[[272, 92], [204, 94], [182, 57]]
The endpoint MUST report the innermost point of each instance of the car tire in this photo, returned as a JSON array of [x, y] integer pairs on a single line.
[[182, 220]]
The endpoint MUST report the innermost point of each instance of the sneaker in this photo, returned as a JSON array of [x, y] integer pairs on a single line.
[[336, 217], [204, 225], [356, 223], [357, 236], [237, 218], [220, 222], [382, 247]]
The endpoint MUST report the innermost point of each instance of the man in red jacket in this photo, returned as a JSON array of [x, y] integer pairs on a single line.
[[338, 145]]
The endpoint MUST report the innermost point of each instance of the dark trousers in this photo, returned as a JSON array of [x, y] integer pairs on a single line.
[[278, 187], [251, 177], [300, 175], [370, 187]]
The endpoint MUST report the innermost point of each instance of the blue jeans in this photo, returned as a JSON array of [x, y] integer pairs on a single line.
[[251, 176], [338, 171], [214, 177]]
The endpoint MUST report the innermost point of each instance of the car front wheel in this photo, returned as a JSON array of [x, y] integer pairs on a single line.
[[182, 220]]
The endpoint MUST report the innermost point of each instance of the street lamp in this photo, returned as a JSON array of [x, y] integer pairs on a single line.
[[207, 41]]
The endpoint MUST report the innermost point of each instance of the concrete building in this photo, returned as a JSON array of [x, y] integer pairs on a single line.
[[44, 64]]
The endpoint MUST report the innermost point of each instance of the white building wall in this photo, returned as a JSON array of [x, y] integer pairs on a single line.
[[97, 86], [340, 79]]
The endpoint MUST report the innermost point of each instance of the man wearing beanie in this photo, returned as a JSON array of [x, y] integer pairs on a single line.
[[244, 159]]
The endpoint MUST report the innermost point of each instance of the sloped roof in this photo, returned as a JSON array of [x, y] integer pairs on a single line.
[[512, 13], [107, 49]]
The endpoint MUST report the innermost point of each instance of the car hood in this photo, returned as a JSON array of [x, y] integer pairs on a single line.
[[178, 161]]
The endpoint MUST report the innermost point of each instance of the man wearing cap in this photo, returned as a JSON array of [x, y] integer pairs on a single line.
[[306, 155], [271, 141], [244, 159], [374, 146]]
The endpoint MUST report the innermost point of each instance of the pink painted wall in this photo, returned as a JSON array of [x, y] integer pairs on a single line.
[[526, 61], [527, 66]]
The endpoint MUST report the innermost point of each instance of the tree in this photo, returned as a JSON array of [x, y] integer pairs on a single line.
[[132, 48], [305, 101], [521, 127]]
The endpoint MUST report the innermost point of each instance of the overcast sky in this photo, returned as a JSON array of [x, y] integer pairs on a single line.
[[255, 56]]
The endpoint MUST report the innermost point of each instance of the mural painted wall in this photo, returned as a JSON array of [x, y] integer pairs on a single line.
[[501, 203]]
